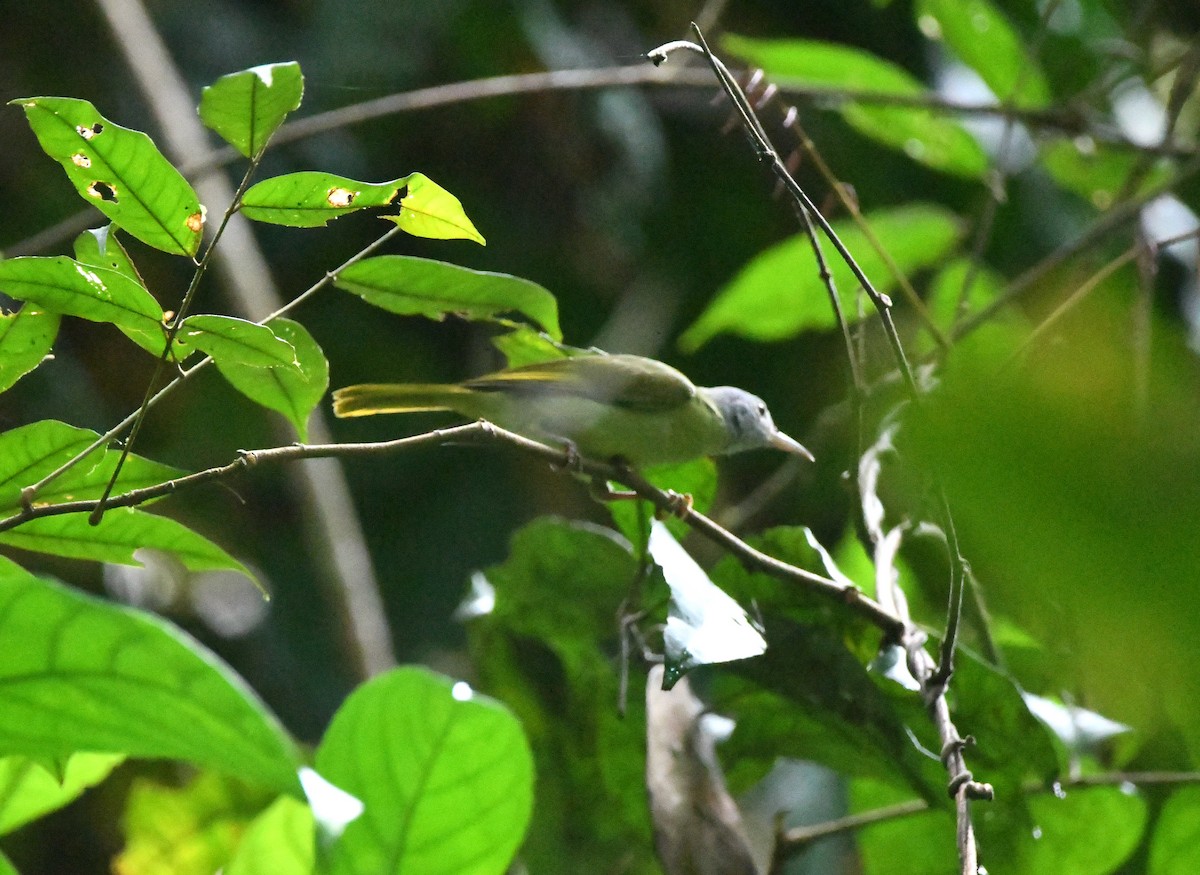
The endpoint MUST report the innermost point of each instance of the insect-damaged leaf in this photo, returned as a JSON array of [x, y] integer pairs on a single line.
[[428, 210], [310, 199], [246, 108], [119, 171]]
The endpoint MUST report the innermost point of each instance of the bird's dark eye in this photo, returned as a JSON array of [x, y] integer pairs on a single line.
[[762, 410]]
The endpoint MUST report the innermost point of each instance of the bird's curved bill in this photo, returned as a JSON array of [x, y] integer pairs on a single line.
[[781, 441]]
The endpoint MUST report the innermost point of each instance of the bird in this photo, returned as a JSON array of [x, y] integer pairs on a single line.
[[605, 407]]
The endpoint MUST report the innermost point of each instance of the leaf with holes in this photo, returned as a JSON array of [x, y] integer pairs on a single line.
[[246, 108], [26, 338], [63, 285], [310, 199], [445, 773], [92, 676], [293, 390], [229, 339], [428, 210], [119, 171], [30, 452], [422, 287]]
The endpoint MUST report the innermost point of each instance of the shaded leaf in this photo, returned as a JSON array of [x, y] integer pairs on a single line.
[[1175, 846], [278, 842], [189, 830], [293, 390], [63, 285], [421, 287], [696, 479], [310, 199], [119, 171], [92, 676], [779, 293], [28, 790], [927, 137], [247, 107], [30, 452], [229, 339], [122, 532], [986, 41], [918, 844], [446, 776], [428, 210], [1097, 172], [26, 338]]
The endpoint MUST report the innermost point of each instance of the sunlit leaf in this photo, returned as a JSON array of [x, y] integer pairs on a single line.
[[26, 338], [28, 791], [119, 171], [704, 625], [779, 293], [525, 345], [100, 247], [421, 287], [932, 139], [428, 210], [189, 830], [92, 676], [30, 452], [278, 842], [123, 531], [446, 775], [63, 285], [228, 339], [310, 199], [247, 107], [986, 41], [293, 390]]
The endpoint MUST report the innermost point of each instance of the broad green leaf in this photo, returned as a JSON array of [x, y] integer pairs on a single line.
[[30, 452], [278, 842], [1095, 171], [921, 843], [779, 293], [93, 676], [428, 210], [524, 345], [28, 791], [421, 287], [26, 337], [696, 479], [6, 866], [945, 295], [985, 40], [310, 199], [445, 773], [229, 339], [247, 107], [929, 138], [100, 247], [63, 285], [119, 171], [1175, 847], [122, 532], [293, 390], [189, 830]]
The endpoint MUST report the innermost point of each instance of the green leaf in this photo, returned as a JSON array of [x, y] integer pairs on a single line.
[[278, 842], [119, 171], [419, 286], [779, 293], [189, 830], [100, 247], [310, 199], [929, 138], [525, 345], [1097, 172], [428, 210], [229, 339], [247, 107], [293, 390], [1175, 847], [446, 776], [63, 285], [697, 479], [28, 790], [26, 337], [122, 532], [986, 41], [919, 844], [6, 866], [30, 452], [92, 676]]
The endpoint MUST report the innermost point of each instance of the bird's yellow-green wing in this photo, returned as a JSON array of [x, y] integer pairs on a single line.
[[626, 381]]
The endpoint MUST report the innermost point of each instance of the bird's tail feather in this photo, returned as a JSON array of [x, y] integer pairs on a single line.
[[370, 398]]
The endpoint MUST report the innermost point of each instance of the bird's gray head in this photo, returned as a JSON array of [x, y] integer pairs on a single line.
[[749, 423]]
